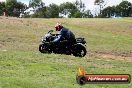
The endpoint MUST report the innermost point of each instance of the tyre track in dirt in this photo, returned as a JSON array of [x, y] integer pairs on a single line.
[[114, 57]]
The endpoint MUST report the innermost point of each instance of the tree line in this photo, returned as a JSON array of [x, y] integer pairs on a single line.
[[70, 9], [75, 9], [12, 7], [124, 9]]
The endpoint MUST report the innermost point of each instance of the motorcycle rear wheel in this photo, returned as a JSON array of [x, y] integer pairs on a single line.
[[79, 51]]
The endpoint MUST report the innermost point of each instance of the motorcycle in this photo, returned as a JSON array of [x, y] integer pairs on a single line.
[[76, 48]]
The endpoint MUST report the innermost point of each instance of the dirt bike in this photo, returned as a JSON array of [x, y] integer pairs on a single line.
[[77, 48]]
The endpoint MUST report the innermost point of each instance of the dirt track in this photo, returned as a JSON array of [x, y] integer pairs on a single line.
[[105, 56]]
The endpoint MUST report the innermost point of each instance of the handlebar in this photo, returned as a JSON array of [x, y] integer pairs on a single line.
[[50, 31]]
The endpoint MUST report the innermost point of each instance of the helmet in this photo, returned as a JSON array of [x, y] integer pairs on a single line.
[[58, 27]]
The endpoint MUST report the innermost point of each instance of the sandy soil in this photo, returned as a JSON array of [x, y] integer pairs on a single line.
[[105, 56]]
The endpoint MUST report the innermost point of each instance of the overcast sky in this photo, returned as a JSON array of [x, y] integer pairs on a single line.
[[88, 3]]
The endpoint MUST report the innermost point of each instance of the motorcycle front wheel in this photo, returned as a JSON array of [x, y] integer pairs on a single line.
[[43, 49]]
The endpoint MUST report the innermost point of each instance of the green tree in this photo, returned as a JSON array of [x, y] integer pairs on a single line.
[[101, 4], [14, 8], [73, 10], [2, 7], [131, 11], [19, 8], [10, 6], [39, 8], [52, 11], [35, 4], [40, 13], [87, 14], [125, 8], [75, 13], [118, 10], [66, 8], [80, 5], [108, 11]]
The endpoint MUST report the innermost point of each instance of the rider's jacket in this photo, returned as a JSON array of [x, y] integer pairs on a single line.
[[64, 34]]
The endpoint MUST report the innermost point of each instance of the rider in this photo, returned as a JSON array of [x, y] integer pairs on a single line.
[[63, 34]]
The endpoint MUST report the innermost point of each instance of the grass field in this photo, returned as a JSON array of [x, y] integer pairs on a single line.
[[23, 66]]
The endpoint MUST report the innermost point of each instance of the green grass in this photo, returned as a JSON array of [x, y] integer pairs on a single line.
[[23, 66], [36, 70]]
